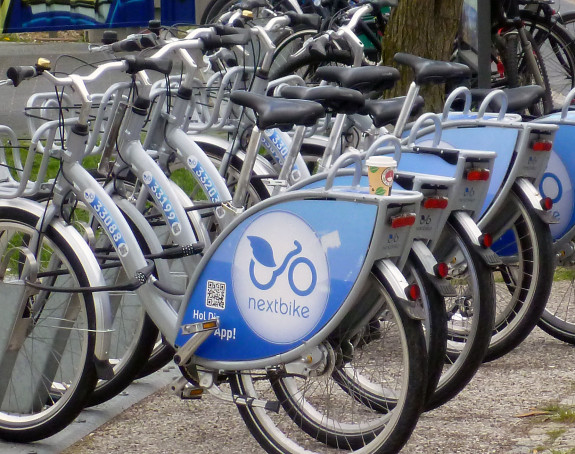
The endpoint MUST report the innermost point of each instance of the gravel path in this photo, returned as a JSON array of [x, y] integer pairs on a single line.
[[484, 418]]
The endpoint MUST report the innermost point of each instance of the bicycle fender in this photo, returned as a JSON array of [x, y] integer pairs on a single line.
[[421, 253], [467, 228], [534, 197], [399, 285], [95, 277]]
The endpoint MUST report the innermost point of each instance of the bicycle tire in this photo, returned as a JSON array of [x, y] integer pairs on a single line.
[[161, 355], [56, 395], [523, 283], [387, 433], [567, 19], [288, 46], [555, 45], [435, 324], [214, 10], [510, 59], [557, 319], [471, 314]]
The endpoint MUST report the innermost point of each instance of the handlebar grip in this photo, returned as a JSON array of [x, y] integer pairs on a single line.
[[126, 45], [109, 37], [19, 73], [223, 30], [317, 49], [148, 40], [215, 42], [311, 20], [136, 64]]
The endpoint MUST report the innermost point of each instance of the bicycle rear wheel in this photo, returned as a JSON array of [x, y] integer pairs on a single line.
[[524, 281], [370, 400], [558, 319], [48, 373], [470, 315]]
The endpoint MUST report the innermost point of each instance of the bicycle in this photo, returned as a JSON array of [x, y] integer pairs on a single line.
[[166, 321]]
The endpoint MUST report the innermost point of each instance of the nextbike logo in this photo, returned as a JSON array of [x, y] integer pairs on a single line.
[[280, 277]]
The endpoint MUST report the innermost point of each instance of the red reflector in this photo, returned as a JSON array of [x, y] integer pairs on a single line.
[[486, 240], [402, 220], [441, 270], [544, 145], [477, 175], [500, 68], [546, 203], [435, 202], [413, 292]]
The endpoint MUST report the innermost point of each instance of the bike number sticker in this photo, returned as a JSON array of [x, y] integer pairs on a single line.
[[204, 179], [163, 200], [107, 221], [281, 283]]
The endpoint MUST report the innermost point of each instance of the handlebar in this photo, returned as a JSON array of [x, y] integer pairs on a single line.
[[132, 43]]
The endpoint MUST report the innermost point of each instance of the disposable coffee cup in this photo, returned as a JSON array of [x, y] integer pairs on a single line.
[[380, 170]]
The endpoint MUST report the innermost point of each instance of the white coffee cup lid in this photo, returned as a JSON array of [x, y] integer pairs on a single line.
[[381, 161]]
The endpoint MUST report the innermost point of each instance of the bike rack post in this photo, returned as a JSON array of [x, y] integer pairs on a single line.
[[484, 50]]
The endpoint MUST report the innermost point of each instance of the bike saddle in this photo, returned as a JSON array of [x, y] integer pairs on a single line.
[[433, 71], [335, 99], [518, 98], [364, 78], [385, 111], [279, 113]]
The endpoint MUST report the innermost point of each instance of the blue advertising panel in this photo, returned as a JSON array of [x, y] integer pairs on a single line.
[[279, 277], [17, 16]]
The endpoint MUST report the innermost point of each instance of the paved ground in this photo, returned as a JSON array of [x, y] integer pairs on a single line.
[[484, 418]]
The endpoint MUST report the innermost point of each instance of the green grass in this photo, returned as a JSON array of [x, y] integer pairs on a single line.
[[564, 273], [560, 413]]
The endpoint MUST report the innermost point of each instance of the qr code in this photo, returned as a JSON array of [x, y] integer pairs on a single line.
[[216, 295]]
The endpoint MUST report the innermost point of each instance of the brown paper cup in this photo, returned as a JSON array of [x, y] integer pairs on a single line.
[[380, 170]]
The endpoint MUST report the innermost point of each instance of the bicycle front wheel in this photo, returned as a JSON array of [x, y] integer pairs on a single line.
[[368, 399], [47, 373]]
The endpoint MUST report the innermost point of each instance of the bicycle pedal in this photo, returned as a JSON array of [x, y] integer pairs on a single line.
[[191, 392], [446, 289], [491, 257], [247, 401]]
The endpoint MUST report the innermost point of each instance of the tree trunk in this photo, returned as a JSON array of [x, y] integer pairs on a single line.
[[426, 28]]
